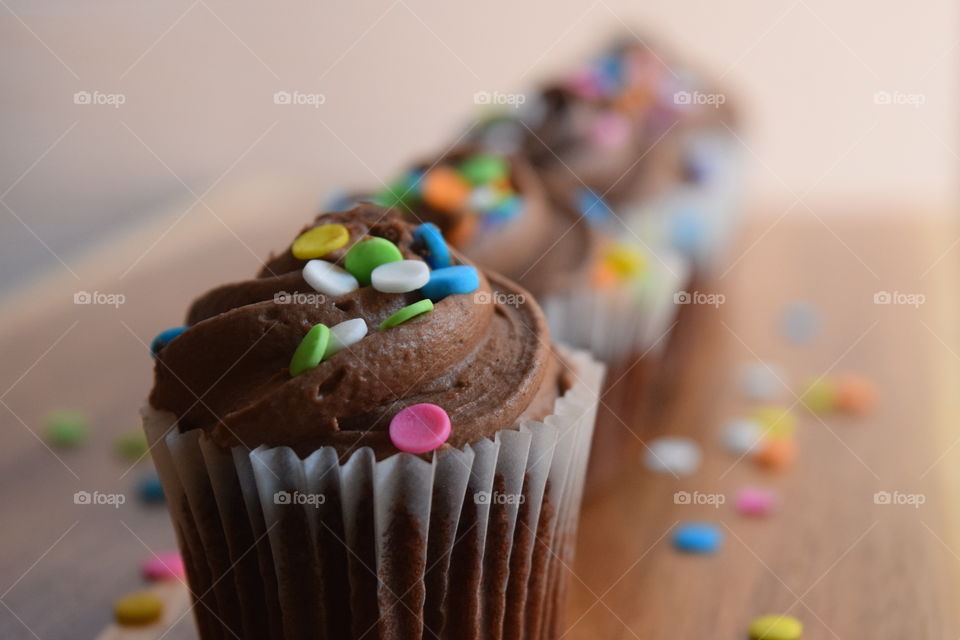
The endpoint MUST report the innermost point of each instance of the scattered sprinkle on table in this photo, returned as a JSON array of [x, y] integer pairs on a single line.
[[345, 334], [776, 453], [461, 278], [755, 501], [310, 351], [855, 394], [400, 277], [319, 241], [625, 261], [776, 422], [150, 489], [131, 445], [674, 455], [367, 255], [776, 627], [438, 254], [697, 537], [166, 565], [420, 428], [408, 312], [740, 435], [800, 323], [164, 338], [137, 609], [328, 278], [66, 429], [761, 381], [820, 396]]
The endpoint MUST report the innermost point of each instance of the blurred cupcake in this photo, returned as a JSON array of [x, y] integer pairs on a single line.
[[364, 441]]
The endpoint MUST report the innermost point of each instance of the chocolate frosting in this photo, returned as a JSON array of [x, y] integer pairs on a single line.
[[484, 357]]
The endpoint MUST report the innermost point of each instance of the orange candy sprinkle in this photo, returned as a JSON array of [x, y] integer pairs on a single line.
[[855, 394], [445, 189], [776, 453], [462, 230]]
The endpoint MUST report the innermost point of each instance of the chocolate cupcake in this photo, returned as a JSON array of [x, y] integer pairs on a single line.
[[383, 449]]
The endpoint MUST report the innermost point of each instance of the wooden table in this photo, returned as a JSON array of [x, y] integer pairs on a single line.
[[849, 568]]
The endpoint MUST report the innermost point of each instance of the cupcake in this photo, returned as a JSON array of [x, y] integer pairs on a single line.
[[364, 441]]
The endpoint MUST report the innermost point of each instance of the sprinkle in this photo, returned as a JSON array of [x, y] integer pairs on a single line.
[[66, 429], [400, 277], [688, 232], [164, 338], [461, 232], [855, 394], [760, 381], [150, 489], [776, 422], [328, 278], [483, 198], [592, 206], [697, 537], [776, 627], [755, 501], [131, 445], [800, 323], [166, 565], [776, 453], [408, 312], [820, 396], [438, 255], [319, 241], [484, 167], [626, 261], [610, 130], [139, 608], [461, 278], [310, 351], [508, 209], [740, 435], [445, 189], [674, 455], [420, 428], [345, 334], [402, 192], [367, 255]]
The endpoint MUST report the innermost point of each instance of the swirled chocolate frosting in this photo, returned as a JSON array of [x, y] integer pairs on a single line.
[[484, 357]]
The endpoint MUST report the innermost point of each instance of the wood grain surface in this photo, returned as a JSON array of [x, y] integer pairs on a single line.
[[847, 567]]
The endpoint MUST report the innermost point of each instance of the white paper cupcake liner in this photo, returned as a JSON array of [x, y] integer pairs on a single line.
[[471, 544]]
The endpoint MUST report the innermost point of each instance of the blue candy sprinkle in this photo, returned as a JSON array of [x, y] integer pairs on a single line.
[[438, 255], [450, 280], [697, 537], [507, 209], [150, 489], [164, 338], [592, 206], [800, 323], [687, 233]]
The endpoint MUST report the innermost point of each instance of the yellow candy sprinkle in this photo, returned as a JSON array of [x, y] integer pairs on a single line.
[[776, 627], [625, 261], [820, 396], [776, 422], [320, 241], [138, 609]]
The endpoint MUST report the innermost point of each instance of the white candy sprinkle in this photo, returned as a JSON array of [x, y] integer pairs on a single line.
[[401, 276], [740, 435], [761, 382], [328, 278], [345, 334], [678, 456]]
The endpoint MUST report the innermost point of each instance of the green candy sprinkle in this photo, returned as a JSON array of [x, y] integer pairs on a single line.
[[409, 311], [131, 445], [311, 350], [367, 255], [483, 168], [66, 428]]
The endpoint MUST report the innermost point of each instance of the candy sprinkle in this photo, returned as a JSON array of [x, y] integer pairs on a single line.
[[800, 323], [420, 428], [755, 501], [345, 334], [149, 489], [66, 429], [776, 422], [674, 455], [461, 278], [408, 312], [761, 381], [484, 167], [697, 537], [855, 395], [400, 277], [138, 609], [164, 338], [776, 453], [131, 445], [319, 241], [166, 565], [367, 255], [328, 278], [311, 350], [776, 627], [820, 396], [740, 435], [438, 255], [445, 189]]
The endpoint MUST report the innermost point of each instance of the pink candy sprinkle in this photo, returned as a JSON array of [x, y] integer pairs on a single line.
[[610, 130], [420, 428], [167, 565], [755, 501]]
